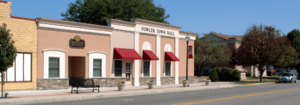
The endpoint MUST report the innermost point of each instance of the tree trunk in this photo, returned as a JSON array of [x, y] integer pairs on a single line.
[[261, 72], [199, 70], [2, 83]]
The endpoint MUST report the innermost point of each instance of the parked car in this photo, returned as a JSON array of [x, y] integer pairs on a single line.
[[288, 77]]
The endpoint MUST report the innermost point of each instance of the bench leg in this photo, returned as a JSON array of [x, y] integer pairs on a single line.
[[72, 89], [93, 88], [77, 90], [98, 89]]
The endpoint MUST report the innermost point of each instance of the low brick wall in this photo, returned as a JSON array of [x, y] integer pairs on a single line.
[[191, 79], [167, 80], [108, 82], [50, 84], [145, 80]]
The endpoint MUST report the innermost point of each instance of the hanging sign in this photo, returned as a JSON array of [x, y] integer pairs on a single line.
[[77, 42], [190, 51]]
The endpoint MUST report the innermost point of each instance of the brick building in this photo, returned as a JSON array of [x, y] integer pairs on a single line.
[[22, 75]]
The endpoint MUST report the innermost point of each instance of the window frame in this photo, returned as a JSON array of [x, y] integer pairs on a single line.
[[98, 68], [143, 69], [14, 68], [170, 68], [121, 68], [55, 68]]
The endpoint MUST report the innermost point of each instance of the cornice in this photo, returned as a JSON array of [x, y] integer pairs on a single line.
[[142, 21], [189, 33], [120, 22], [74, 24]]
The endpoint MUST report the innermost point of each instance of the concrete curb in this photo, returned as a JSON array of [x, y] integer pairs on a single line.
[[102, 95]]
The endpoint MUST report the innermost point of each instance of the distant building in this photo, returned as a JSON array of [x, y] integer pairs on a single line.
[[233, 42]]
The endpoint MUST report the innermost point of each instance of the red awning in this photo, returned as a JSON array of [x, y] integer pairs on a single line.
[[149, 55], [122, 53], [169, 56]]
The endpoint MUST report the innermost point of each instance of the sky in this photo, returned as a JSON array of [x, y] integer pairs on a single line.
[[230, 17]]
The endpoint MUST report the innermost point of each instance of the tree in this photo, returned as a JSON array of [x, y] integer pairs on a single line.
[[97, 11], [7, 52], [287, 58], [208, 51], [294, 38], [260, 47]]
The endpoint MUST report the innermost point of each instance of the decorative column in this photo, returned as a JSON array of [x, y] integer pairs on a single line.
[[176, 62], [136, 62], [158, 61]]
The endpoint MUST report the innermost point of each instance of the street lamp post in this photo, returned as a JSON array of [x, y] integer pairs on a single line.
[[187, 38]]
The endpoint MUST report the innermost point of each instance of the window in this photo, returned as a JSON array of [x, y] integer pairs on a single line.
[[97, 67], [146, 68], [53, 67], [20, 70], [118, 68], [167, 68]]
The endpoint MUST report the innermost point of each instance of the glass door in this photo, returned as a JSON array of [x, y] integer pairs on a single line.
[[128, 72]]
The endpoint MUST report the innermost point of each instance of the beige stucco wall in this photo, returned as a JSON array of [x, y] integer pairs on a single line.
[[152, 40], [48, 39], [25, 37], [182, 58], [164, 41], [120, 39]]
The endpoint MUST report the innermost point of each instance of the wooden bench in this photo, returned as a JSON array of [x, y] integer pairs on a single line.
[[82, 82]]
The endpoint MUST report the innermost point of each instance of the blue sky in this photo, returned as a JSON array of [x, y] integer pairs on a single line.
[[231, 17]]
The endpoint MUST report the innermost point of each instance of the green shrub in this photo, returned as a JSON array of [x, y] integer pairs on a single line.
[[213, 75], [226, 75], [236, 75]]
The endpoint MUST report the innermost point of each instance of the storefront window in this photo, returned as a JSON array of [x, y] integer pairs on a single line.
[[167, 68], [146, 68], [53, 67], [97, 67], [118, 68]]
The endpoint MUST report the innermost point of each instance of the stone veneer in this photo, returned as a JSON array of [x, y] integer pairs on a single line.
[[145, 80], [167, 80], [108, 82], [191, 79], [49, 84]]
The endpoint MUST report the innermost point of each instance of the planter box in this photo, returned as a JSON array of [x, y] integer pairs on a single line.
[[151, 85], [207, 82], [185, 83], [121, 86]]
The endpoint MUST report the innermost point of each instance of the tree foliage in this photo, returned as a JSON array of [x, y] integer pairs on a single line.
[[294, 38], [97, 11], [213, 75], [261, 46], [208, 51], [7, 52]]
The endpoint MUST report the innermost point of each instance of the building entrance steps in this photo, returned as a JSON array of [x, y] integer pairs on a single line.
[[16, 97]]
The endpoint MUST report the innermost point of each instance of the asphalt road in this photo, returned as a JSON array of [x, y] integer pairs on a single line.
[[268, 94]]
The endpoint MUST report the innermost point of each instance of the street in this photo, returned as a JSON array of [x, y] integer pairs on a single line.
[[272, 94]]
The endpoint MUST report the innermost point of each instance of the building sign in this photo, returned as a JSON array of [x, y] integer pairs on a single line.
[[157, 31], [190, 51], [77, 42]]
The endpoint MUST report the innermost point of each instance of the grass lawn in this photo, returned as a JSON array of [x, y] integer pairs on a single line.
[[253, 82]]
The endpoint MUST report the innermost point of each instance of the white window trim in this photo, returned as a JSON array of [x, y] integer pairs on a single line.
[[97, 55], [149, 68], [54, 53], [165, 69]]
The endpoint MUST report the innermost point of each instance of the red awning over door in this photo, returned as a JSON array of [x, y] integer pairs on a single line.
[[169, 56], [149, 55], [122, 53]]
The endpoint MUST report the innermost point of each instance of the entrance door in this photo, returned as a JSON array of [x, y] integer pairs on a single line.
[[128, 72]]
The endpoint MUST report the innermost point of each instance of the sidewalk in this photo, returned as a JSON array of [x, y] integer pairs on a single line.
[[23, 97]]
